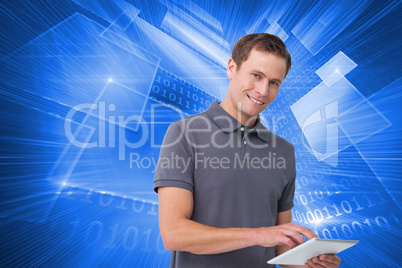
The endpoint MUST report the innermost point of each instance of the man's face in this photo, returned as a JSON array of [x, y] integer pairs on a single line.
[[255, 85]]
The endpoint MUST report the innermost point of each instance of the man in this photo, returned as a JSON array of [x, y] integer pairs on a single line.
[[225, 182]]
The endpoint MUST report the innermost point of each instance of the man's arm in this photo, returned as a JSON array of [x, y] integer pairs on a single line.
[[317, 262], [179, 233]]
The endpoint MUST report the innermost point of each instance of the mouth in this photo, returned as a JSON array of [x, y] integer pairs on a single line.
[[255, 100]]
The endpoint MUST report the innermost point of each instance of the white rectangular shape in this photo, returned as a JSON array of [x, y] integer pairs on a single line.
[[312, 248]]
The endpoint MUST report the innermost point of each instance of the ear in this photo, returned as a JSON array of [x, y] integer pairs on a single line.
[[231, 68]]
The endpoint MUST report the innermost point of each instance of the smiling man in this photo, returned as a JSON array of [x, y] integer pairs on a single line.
[[254, 84], [231, 205]]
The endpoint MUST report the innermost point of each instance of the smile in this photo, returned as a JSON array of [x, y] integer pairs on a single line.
[[254, 100]]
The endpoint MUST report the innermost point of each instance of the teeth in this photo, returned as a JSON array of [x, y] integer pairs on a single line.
[[256, 101]]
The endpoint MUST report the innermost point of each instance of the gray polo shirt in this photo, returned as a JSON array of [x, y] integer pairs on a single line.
[[239, 177]]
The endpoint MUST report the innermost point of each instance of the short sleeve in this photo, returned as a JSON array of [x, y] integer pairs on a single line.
[[175, 166], [286, 200]]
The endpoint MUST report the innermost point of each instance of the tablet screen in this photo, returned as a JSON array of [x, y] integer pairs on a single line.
[[312, 248]]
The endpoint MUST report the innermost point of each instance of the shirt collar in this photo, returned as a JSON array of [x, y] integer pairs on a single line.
[[228, 124]]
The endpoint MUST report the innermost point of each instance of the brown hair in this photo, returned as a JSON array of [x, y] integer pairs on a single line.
[[263, 42]]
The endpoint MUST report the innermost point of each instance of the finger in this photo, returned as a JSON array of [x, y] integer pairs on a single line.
[[319, 263], [294, 235], [303, 230], [314, 260], [327, 265], [314, 263], [308, 233], [330, 258], [296, 231], [323, 263], [309, 263], [285, 240]]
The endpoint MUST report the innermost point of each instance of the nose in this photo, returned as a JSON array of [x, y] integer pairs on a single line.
[[262, 89]]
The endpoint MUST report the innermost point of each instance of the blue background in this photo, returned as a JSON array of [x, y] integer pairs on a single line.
[[113, 75]]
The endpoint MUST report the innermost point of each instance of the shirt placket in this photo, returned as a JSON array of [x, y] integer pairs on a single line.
[[245, 148]]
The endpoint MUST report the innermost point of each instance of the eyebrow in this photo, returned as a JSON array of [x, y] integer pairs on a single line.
[[261, 73]]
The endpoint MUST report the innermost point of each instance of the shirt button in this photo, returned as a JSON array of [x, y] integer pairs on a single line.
[[245, 142], [242, 128]]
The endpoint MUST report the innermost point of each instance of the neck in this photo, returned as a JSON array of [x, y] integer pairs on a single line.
[[236, 113]]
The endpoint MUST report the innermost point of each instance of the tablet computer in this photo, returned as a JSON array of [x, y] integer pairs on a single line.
[[312, 248]]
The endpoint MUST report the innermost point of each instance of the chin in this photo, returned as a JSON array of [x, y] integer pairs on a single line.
[[250, 110], [251, 113]]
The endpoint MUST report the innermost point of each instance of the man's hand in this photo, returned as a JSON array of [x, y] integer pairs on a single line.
[[283, 221], [329, 261], [289, 234]]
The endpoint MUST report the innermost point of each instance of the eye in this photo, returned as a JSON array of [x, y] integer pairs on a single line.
[[256, 75], [274, 83]]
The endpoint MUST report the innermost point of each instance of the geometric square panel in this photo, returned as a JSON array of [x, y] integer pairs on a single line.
[[362, 121], [334, 69], [324, 21], [111, 10], [126, 165], [275, 29], [316, 113]]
